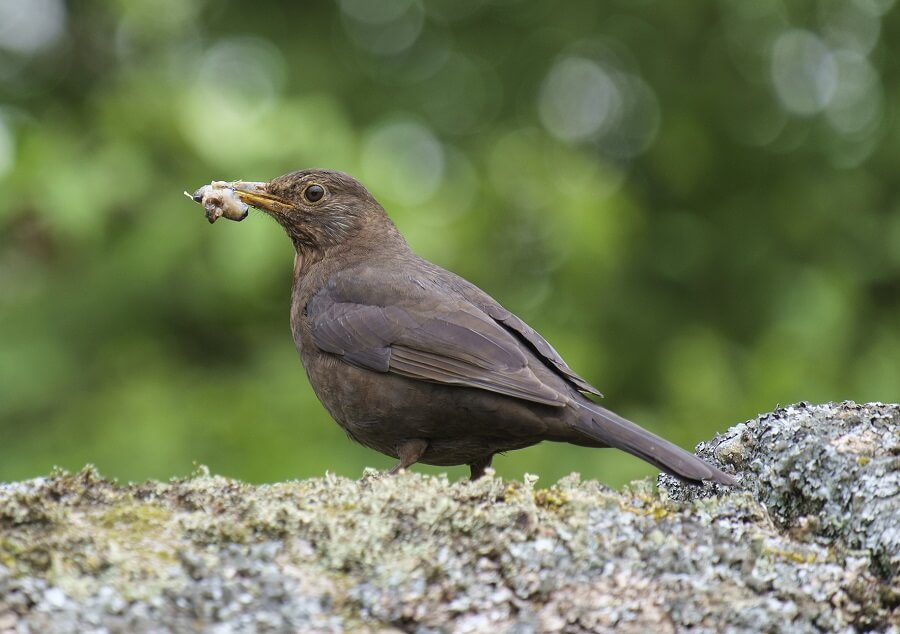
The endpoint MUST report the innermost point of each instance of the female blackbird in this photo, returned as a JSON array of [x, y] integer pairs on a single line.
[[416, 362]]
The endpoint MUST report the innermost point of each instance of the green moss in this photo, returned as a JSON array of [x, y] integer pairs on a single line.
[[135, 517], [27, 508], [22, 557], [642, 498], [793, 555], [551, 498]]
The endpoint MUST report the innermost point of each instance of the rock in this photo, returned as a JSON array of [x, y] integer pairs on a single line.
[[809, 544], [825, 473]]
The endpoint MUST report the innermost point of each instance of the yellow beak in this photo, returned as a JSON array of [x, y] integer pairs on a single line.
[[257, 195]]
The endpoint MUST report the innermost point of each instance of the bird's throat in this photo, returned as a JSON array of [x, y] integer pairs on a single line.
[[298, 264]]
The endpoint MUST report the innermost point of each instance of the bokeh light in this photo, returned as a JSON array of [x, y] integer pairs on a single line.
[[804, 72], [405, 160], [852, 26], [234, 86], [28, 27], [855, 107], [7, 146], [579, 100], [386, 28]]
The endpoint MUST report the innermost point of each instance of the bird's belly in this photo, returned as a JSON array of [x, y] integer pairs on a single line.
[[462, 425]]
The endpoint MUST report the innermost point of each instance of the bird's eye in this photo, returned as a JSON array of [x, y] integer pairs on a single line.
[[314, 193]]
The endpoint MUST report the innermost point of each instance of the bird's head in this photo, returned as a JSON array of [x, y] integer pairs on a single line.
[[318, 208]]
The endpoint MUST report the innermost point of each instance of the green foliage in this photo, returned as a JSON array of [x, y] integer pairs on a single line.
[[695, 204]]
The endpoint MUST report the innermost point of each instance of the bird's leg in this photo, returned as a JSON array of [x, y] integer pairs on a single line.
[[477, 468], [409, 454]]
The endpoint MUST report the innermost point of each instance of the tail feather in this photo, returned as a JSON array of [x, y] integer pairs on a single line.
[[601, 425]]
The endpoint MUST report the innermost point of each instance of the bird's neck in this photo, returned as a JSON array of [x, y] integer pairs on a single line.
[[312, 264]]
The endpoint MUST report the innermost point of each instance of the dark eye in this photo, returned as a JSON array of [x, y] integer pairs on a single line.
[[314, 193]]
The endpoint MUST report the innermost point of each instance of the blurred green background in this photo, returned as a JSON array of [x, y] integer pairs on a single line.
[[696, 203]]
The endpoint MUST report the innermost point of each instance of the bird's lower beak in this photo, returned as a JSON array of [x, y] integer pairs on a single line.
[[257, 195]]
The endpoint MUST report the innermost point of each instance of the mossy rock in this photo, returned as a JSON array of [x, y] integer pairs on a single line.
[[808, 543]]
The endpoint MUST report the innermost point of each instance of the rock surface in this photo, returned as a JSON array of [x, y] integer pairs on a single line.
[[810, 543]]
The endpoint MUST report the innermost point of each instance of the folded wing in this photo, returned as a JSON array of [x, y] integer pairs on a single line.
[[428, 338]]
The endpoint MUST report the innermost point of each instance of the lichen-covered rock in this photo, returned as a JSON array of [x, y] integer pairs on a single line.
[[829, 473], [806, 546]]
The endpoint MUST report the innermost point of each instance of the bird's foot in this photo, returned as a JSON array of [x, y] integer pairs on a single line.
[[477, 469], [409, 454]]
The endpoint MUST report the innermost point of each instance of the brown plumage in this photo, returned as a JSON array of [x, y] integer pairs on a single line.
[[416, 362]]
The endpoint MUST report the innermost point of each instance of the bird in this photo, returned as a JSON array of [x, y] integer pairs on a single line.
[[417, 363]]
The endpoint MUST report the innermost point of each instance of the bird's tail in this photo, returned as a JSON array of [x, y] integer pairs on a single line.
[[606, 427]]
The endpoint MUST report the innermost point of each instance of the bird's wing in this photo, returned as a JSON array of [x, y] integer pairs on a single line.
[[540, 346], [426, 335]]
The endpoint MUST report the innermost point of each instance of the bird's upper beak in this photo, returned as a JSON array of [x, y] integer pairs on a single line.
[[257, 195]]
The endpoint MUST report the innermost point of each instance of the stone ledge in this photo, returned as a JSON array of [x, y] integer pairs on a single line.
[[809, 544]]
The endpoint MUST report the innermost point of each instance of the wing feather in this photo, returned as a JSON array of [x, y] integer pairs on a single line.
[[428, 341], [541, 347]]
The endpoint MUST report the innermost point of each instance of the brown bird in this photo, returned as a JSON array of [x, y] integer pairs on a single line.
[[418, 363]]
